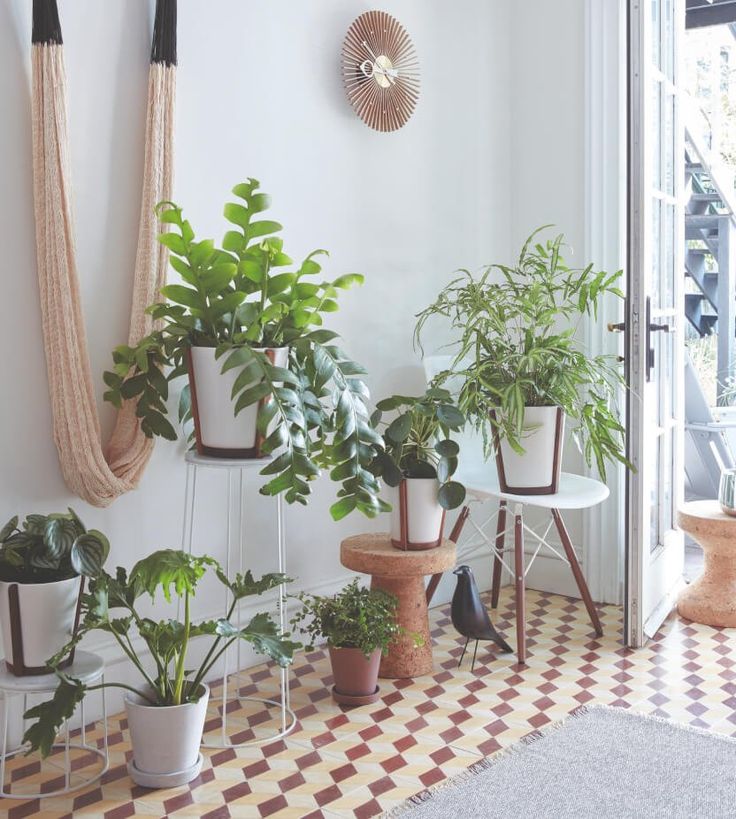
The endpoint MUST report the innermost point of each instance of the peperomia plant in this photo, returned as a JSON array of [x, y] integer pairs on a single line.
[[47, 548], [355, 617], [111, 606], [240, 299], [517, 346], [418, 444]]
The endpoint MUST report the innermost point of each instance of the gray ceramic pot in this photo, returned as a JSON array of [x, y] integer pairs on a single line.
[[727, 491]]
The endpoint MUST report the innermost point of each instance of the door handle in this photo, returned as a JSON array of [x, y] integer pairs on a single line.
[[661, 328], [618, 327]]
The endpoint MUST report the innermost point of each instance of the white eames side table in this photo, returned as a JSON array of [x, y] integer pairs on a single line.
[[86, 667], [575, 492], [235, 562]]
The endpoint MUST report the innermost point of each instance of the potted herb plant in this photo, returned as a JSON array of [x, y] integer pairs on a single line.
[[417, 463], [523, 368], [359, 624], [265, 377], [166, 712], [43, 563]]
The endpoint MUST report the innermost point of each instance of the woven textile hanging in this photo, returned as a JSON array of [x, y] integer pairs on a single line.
[[96, 474]]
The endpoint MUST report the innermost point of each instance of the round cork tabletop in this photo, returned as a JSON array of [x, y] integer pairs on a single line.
[[373, 554], [705, 516]]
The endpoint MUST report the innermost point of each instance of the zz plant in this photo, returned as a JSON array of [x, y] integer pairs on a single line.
[[417, 442], [47, 548], [112, 606], [240, 298], [518, 346]]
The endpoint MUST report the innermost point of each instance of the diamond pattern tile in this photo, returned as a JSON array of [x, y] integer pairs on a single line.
[[361, 762]]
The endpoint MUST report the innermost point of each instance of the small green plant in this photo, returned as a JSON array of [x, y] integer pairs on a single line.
[[112, 607], [518, 347], [355, 617], [240, 299], [47, 548], [417, 442]]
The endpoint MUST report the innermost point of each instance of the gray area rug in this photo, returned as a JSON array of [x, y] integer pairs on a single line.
[[604, 763]]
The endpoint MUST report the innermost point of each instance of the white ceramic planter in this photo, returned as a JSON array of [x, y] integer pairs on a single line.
[[425, 515], [165, 740], [220, 431], [47, 615], [537, 471]]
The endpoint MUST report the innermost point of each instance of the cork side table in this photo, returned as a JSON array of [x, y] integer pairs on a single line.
[[402, 574], [711, 599]]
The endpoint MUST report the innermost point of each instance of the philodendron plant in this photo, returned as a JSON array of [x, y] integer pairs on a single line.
[[239, 299], [418, 443], [518, 346], [48, 548], [112, 607]]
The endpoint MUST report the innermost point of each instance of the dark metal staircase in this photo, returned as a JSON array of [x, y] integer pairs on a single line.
[[710, 254]]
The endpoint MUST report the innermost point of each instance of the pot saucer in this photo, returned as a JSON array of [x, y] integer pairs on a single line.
[[169, 780], [351, 699]]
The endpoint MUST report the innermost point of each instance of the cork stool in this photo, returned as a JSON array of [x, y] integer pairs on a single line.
[[711, 599], [402, 574]]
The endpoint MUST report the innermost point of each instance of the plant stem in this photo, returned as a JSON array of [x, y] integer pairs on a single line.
[[203, 668], [179, 678]]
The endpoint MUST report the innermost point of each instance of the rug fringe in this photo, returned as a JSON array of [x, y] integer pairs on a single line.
[[528, 739]]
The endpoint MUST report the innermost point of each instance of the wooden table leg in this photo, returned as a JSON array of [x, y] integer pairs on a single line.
[[520, 585], [577, 572], [405, 659], [454, 537], [500, 545]]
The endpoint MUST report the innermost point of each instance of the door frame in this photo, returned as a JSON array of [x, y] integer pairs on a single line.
[[606, 202]]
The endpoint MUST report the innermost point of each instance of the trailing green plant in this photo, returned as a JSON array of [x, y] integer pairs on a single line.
[[112, 606], [47, 548], [417, 442], [239, 299], [355, 617], [517, 346]]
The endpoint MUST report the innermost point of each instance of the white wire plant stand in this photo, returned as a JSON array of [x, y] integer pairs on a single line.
[[229, 705], [88, 668]]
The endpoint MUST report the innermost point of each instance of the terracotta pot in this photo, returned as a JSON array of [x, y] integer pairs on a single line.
[[37, 620], [218, 431], [165, 739], [417, 519], [537, 470], [355, 674]]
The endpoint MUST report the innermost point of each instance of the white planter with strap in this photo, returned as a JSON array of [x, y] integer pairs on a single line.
[[219, 432], [37, 620]]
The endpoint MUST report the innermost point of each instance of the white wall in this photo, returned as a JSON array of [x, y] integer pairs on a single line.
[[259, 94]]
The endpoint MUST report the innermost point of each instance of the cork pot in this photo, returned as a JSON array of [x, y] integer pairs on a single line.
[[37, 619], [355, 674], [219, 432], [536, 471]]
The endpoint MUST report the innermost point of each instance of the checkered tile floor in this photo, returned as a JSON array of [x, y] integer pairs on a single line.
[[359, 762]]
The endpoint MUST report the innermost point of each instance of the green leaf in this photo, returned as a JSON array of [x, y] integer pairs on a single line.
[[60, 534], [447, 448], [262, 228], [343, 507], [167, 569], [451, 495], [9, 527], [174, 242], [89, 552], [182, 295], [400, 428], [52, 714], [236, 214], [450, 416]]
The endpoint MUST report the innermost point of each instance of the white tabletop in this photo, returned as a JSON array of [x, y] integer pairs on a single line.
[[86, 667], [193, 457], [575, 492]]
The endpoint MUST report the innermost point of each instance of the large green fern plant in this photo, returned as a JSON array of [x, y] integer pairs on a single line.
[[238, 298]]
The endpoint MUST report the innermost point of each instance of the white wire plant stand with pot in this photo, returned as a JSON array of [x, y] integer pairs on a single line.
[[265, 725]]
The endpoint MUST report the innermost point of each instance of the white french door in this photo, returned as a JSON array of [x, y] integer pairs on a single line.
[[654, 331]]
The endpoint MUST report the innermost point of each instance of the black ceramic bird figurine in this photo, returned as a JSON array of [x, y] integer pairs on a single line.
[[469, 615]]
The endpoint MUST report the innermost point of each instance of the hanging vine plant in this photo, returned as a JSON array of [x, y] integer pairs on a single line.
[[242, 299]]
